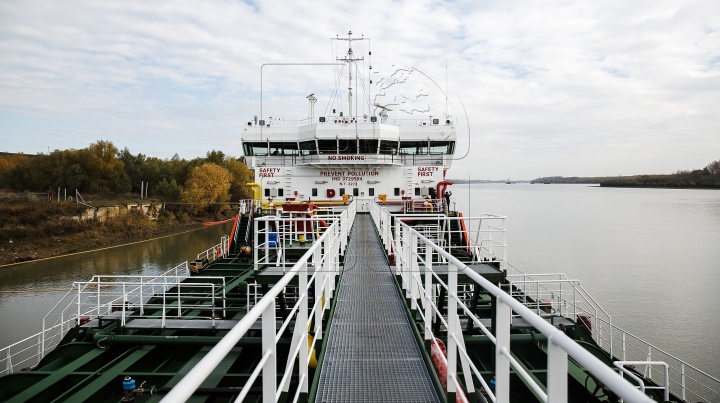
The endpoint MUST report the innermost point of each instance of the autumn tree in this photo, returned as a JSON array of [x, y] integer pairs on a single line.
[[10, 161], [241, 176], [207, 184]]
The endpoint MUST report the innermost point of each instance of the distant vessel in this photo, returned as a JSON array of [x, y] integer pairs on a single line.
[[344, 279]]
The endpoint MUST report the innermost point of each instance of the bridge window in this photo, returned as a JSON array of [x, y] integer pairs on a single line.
[[314, 192], [342, 191], [347, 146], [442, 147], [290, 148], [308, 148], [356, 191], [327, 146], [368, 146], [397, 192], [417, 191], [413, 147], [371, 191], [256, 148], [388, 147]]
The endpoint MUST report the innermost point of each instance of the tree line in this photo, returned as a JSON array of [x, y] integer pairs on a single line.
[[103, 169], [708, 177], [571, 179]]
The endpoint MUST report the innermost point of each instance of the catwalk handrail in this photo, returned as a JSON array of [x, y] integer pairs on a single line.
[[559, 344], [323, 253]]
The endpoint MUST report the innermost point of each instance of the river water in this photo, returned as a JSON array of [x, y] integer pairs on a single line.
[[650, 257], [27, 291]]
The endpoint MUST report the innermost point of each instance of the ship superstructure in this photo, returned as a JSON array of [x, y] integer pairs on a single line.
[[321, 159]]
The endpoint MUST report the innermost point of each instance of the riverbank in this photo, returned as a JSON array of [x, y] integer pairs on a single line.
[[33, 231]]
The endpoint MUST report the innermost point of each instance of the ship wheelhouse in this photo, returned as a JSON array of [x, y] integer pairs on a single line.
[[322, 161]]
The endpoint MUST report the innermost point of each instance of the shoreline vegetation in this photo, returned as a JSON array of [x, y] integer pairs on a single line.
[[34, 224], [706, 178]]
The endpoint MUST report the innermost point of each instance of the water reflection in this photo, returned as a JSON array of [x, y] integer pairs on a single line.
[[28, 291]]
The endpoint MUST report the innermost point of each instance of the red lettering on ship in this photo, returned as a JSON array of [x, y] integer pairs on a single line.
[[348, 176], [346, 158], [427, 171], [267, 172]]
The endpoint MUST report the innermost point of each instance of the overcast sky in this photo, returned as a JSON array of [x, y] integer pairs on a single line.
[[571, 88]]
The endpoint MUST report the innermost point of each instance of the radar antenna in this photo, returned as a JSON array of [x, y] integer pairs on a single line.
[[383, 112]]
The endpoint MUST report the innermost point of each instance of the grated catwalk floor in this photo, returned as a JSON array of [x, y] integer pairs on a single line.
[[372, 355]]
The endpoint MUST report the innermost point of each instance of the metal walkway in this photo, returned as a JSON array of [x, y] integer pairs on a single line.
[[372, 354]]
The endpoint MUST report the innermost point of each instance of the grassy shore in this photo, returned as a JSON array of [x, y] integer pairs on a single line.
[[32, 229]]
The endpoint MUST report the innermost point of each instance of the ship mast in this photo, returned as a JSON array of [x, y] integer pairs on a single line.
[[350, 60]]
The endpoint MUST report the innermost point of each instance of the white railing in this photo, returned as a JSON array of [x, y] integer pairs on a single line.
[[419, 284], [29, 351], [482, 238], [556, 293], [324, 255], [215, 252], [553, 295], [685, 381], [288, 231], [282, 122]]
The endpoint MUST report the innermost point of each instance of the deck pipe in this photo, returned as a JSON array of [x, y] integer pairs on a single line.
[[106, 340], [514, 339]]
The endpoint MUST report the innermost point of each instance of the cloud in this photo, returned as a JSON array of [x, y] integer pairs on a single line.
[[550, 88]]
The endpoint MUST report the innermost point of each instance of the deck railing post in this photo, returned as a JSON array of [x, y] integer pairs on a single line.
[[162, 321], [452, 328], [413, 271], [255, 249], [302, 318], [78, 302], [9, 361], [123, 299], [682, 381], [98, 297], [319, 280], [406, 261], [223, 298], [502, 364], [429, 314], [142, 308], [557, 373], [397, 251], [269, 371], [42, 341]]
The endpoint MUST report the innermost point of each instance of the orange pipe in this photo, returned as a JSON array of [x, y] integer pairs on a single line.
[[232, 232], [467, 238]]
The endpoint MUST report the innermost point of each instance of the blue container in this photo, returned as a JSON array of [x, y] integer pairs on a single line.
[[129, 385]]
